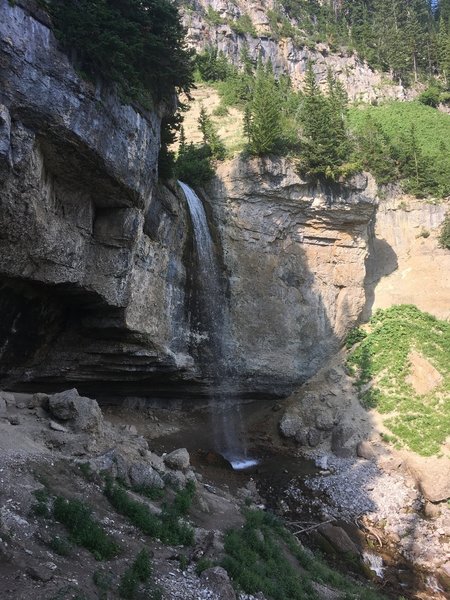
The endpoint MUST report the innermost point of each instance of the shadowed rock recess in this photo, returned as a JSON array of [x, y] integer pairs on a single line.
[[95, 256]]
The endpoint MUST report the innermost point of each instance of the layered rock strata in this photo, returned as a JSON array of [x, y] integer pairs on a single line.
[[92, 281], [295, 255]]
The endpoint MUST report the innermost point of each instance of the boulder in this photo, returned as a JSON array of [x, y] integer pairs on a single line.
[[338, 539], [175, 479], [432, 476], [365, 450], [83, 414], [143, 475], [38, 400], [9, 398], [178, 459], [218, 581], [444, 575], [113, 463], [341, 443], [3, 412], [290, 424], [314, 437]]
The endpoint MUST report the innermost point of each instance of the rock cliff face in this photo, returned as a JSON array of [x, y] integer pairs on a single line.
[[295, 256], [361, 82], [406, 264], [96, 258], [92, 278]]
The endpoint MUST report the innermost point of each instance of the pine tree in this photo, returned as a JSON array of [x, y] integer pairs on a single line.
[[376, 152], [325, 143], [263, 120], [211, 138], [443, 43]]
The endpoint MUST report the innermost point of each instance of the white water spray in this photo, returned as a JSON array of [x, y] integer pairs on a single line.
[[228, 429]]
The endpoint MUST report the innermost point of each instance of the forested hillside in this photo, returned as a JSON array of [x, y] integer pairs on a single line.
[[316, 123]]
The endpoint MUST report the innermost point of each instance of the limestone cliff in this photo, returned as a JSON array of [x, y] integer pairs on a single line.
[[286, 55], [92, 278], [295, 255], [96, 262]]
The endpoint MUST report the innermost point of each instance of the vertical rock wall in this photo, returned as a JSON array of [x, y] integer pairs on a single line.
[[295, 256]]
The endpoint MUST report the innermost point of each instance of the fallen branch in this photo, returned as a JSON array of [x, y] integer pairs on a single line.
[[312, 527]]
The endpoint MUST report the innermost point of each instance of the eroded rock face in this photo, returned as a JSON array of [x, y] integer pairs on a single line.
[[295, 254], [92, 281], [287, 57]]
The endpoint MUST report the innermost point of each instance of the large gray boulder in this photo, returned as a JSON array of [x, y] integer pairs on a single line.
[[82, 414], [178, 459], [217, 579], [143, 475]]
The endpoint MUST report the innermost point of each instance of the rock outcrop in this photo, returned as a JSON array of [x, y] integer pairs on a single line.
[[295, 256], [286, 55], [406, 264], [92, 280], [95, 256]]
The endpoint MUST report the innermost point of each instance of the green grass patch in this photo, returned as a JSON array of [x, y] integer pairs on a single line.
[[167, 526], [84, 529], [381, 363], [261, 557]]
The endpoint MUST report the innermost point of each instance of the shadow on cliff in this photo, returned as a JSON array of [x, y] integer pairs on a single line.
[[381, 261]]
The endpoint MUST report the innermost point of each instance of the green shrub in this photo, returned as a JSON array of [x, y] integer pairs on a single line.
[[41, 508], [60, 545], [354, 336], [139, 572], [262, 557], [104, 582], [243, 25], [202, 565], [410, 145], [430, 97], [444, 236], [194, 165], [84, 529]]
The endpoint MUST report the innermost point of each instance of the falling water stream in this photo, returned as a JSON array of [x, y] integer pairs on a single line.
[[227, 424]]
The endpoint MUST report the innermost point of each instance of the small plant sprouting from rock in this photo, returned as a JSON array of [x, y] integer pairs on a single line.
[[41, 508], [202, 565]]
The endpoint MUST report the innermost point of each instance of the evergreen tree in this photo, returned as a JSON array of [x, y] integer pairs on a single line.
[[415, 167], [443, 42], [263, 118], [325, 143], [376, 152], [211, 138]]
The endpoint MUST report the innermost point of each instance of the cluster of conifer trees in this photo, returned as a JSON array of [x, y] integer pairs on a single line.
[[403, 37]]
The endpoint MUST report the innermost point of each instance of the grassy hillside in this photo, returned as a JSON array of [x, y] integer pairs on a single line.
[[383, 364], [432, 130]]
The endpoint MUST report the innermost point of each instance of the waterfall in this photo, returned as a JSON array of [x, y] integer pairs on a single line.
[[228, 429]]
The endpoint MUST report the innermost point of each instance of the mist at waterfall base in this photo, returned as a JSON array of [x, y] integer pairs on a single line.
[[228, 429]]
